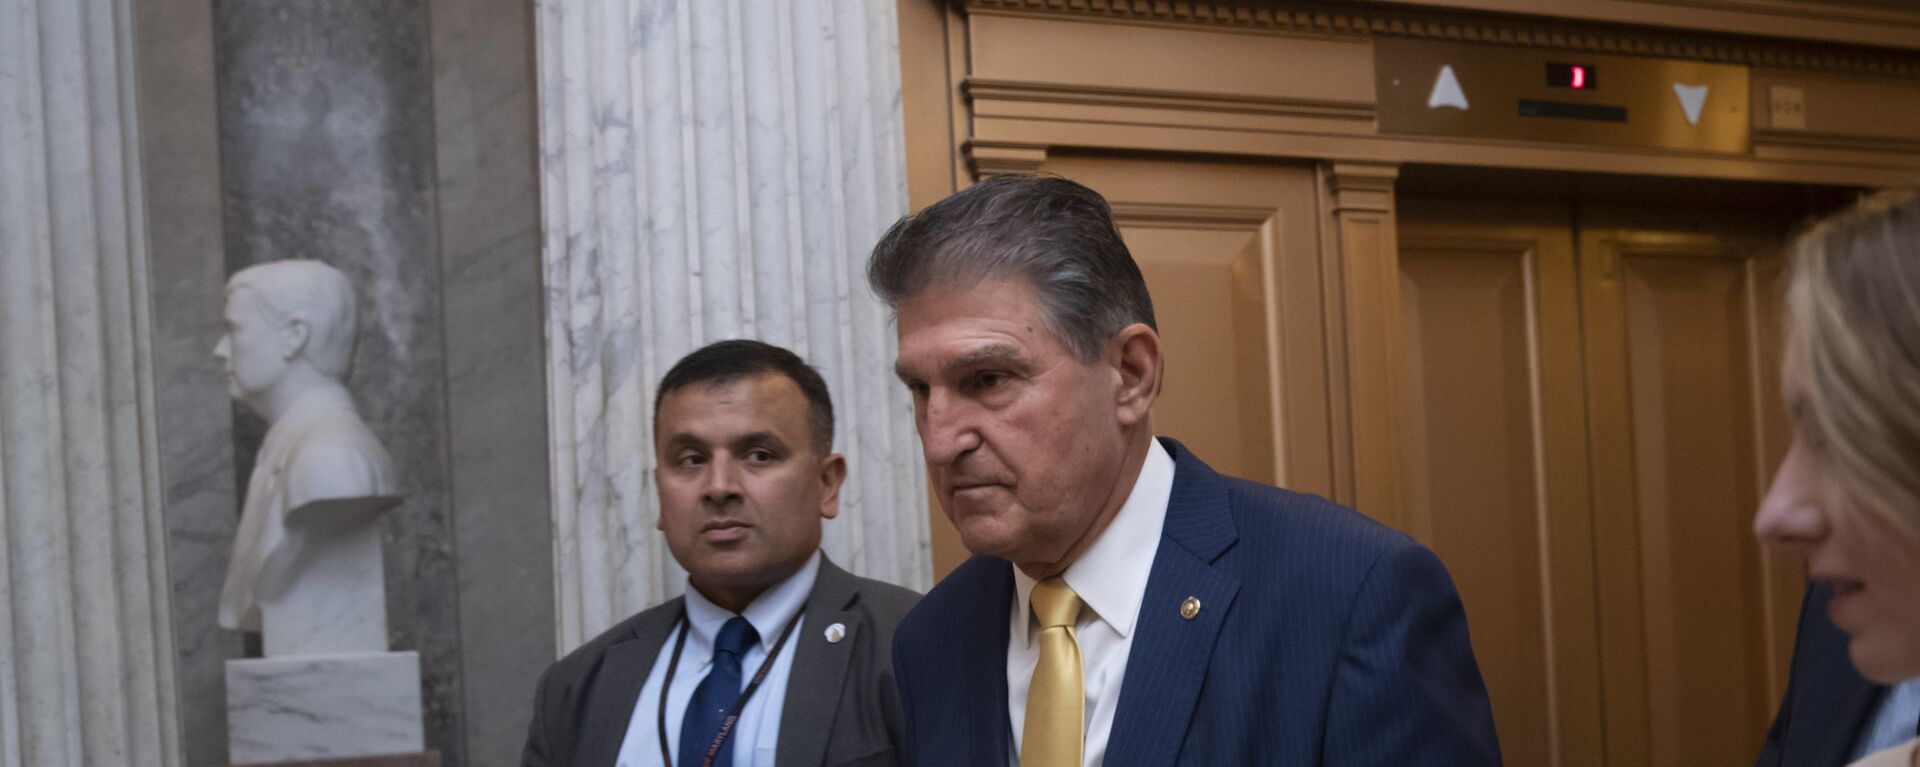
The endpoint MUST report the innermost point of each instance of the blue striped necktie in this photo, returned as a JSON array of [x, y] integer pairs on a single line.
[[720, 689]]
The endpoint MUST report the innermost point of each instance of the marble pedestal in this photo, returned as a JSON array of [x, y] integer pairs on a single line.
[[323, 707]]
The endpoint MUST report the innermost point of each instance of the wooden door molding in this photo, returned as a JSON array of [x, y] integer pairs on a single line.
[[1230, 217], [993, 158], [1191, 223], [1364, 271]]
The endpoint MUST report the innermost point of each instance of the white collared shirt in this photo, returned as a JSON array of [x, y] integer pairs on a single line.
[[756, 736], [1111, 579]]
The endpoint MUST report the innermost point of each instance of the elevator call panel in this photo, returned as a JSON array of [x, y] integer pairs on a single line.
[[1473, 90]]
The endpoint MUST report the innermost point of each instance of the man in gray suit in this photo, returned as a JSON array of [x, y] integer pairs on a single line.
[[775, 657]]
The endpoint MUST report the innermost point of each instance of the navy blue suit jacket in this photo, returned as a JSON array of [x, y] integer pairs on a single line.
[[1322, 638], [1827, 702]]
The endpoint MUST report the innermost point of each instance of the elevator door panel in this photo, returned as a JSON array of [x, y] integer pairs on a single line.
[[1494, 455], [1591, 414], [1682, 362]]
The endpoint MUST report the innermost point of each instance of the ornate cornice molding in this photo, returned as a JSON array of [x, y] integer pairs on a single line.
[[1348, 20]]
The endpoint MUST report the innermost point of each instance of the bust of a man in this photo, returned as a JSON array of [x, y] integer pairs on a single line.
[[306, 570]]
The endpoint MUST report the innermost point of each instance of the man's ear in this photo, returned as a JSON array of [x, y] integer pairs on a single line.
[[1135, 352], [833, 471], [293, 338]]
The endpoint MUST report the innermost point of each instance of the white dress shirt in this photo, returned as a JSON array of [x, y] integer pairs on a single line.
[[1894, 719], [1111, 578], [756, 735]]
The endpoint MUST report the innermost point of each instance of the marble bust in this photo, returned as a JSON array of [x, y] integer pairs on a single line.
[[306, 570]]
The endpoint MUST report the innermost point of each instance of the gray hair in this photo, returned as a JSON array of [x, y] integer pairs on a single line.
[[1056, 235], [314, 293]]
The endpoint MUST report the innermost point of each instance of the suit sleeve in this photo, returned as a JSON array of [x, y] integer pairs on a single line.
[[1773, 752], [902, 698], [1407, 690], [538, 752], [896, 718]]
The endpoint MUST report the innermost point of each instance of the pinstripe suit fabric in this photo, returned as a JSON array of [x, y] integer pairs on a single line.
[[1323, 638]]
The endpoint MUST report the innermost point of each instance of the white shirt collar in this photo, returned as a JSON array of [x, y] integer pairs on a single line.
[[768, 614], [1111, 575]]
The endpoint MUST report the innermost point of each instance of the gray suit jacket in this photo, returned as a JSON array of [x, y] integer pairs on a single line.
[[842, 709]]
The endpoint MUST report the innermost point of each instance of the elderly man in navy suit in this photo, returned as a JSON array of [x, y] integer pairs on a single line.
[[1126, 604]]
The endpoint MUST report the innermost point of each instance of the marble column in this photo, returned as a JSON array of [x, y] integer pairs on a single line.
[[714, 169], [86, 652]]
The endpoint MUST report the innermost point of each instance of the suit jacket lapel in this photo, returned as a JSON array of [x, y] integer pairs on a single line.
[[1832, 714], [1171, 652], [819, 669], [616, 688], [1831, 701], [982, 671], [1851, 703]]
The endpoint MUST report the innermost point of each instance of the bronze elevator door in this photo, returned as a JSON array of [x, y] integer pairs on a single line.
[[1590, 417]]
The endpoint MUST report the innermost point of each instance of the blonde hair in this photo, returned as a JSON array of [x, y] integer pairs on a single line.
[[1853, 318]]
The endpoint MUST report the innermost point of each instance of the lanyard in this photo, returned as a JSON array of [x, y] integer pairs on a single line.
[[733, 715]]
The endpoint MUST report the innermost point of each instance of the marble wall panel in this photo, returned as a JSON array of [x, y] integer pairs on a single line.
[[327, 152], [180, 151], [489, 203]]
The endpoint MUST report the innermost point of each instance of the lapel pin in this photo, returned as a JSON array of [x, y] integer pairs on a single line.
[[1190, 608], [836, 632]]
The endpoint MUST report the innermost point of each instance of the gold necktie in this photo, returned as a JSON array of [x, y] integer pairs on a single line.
[[1056, 700]]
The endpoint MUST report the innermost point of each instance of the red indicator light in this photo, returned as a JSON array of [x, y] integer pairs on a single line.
[[1579, 77]]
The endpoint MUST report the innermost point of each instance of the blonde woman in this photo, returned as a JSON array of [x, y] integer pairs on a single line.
[[1848, 492]]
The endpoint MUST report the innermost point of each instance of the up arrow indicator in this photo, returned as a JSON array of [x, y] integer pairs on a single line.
[[1446, 91], [1692, 98]]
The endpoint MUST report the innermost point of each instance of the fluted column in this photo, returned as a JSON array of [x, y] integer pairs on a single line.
[[715, 169], [86, 657]]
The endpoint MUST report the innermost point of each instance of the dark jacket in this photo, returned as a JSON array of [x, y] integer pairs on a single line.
[[1827, 701], [1322, 637], [841, 707]]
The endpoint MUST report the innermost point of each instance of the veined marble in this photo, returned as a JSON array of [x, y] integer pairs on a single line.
[[715, 169], [180, 158], [323, 707], [86, 651], [488, 202], [327, 152]]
